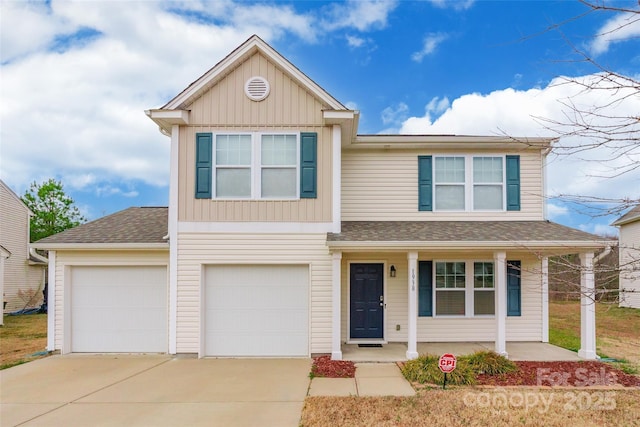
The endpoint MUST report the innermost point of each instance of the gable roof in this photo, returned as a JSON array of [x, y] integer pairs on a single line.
[[461, 234], [225, 66], [14, 196], [135, 227], [631, 216]]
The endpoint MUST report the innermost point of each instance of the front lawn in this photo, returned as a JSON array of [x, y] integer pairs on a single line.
[[22, 339]]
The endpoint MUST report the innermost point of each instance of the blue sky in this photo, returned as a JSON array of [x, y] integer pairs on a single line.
[[76, 78]]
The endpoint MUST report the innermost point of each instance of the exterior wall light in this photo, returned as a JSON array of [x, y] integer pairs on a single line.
[[392, 271]]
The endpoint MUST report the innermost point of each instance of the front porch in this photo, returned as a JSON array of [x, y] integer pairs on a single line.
[[397, 352]]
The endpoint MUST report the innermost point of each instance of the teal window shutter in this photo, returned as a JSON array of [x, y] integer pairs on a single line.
[[308, 165], [425, 184], [203, 165], [425, 288], [514, 292], [513, 183]]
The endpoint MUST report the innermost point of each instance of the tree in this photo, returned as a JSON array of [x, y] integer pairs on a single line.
[[601, 119], [53, 210]]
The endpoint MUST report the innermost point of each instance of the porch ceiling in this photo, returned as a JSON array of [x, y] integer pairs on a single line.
[[460, 235]]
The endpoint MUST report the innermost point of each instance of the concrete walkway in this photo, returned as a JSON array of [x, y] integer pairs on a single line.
[[86, 390], [372, 379]]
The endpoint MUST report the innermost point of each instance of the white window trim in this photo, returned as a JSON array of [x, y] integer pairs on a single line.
[[469, 183], [255, 166], [469, 290]]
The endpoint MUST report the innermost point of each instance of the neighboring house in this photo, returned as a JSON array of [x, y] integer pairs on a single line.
[[23, 277], [289, 234], [629, 225]]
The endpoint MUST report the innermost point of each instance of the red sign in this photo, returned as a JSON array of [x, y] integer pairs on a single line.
[[447, 363]]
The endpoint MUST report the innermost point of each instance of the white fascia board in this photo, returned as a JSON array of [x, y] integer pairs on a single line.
[[175, 117], [439, 245], [336, 117], [102, 246], [252, 45], [450, 142]]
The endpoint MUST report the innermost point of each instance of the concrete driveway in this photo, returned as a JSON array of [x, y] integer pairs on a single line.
[[117, 390]]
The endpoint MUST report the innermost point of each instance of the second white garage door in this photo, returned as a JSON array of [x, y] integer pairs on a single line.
[[257, 310], [119, 309]]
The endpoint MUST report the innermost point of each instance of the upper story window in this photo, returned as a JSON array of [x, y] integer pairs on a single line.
[[256, 166], [468, 183]]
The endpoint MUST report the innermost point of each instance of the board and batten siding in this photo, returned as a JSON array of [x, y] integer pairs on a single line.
[[65, 260], [527, 327], [225, 108], [630, 264], [382, 185], [191, 209], [196, 250], [14, 237]]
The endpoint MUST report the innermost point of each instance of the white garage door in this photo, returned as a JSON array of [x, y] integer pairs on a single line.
[[119, 309], [257, 310]]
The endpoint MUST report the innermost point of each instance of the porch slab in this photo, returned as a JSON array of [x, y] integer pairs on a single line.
[[517, 351]]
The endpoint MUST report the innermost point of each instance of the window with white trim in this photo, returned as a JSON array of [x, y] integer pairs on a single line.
[[469, 183], [450, 288], [256, 166], [464, 288], [483, 288]]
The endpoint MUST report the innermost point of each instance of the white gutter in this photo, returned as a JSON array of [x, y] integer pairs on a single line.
[[36, 255]]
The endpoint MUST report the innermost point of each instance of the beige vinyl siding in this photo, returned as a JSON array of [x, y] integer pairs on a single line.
[[226, 104], [196, 250], [225, 108], [527, 327], [379, 185], [630, 264], [14, 236], [65, 260], [302, 210]]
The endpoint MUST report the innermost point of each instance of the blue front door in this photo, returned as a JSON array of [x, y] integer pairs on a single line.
[[366, 301]]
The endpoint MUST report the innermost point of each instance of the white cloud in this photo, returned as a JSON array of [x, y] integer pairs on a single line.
[[361, 15], [355, 41], [454, 4], [622, 27], [599, 229], [78, 113], [395, 114], [513, 112], [555, 211], [430, 44]]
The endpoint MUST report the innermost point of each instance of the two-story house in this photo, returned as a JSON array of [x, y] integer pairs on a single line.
[[22, 271], [289, 234], [629, 258]]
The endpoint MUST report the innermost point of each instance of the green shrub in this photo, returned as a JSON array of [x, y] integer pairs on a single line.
[[488, 362], [425, 369]]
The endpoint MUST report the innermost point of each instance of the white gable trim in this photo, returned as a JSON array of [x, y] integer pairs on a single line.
[[252, 45]]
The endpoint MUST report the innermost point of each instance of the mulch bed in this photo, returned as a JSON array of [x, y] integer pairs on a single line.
[[568, 374], [323, 366]]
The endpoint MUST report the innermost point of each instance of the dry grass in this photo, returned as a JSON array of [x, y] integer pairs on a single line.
[[472, 407], [21, 337], [617, 329]]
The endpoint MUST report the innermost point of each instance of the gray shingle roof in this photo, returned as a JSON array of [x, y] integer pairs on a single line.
[[132, 225], [632, 215], [458, 231]]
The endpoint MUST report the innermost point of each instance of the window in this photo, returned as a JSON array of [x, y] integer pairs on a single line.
[[488, 177], [449, 181], [256, 166], [464, 183], [450, 288], [233, 166], [279, 158], [483, 288]]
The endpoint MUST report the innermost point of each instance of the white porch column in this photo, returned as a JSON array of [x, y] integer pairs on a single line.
[[336, 348], [500, 277], [52, 307], [412, 330], [545, 299], [587, 308]]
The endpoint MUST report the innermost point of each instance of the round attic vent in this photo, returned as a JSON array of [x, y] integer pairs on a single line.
[[257, 88]]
